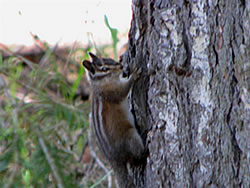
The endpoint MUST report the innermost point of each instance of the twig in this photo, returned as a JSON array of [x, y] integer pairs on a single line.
[[47, 54], [8, 51], [94, 43], [34, 51], [50, 160], [53, 100], [68, 58], [38, 42], [101, 179]]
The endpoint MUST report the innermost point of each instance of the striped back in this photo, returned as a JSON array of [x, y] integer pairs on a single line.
[[101, 135], [102, 73]]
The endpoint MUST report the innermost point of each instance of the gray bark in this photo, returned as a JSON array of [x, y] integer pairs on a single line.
[[192, 104]]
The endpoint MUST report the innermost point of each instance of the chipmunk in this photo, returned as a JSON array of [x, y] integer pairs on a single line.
[[113, 122]]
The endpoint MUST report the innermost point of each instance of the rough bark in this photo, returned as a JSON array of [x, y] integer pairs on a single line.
[[192, 103]]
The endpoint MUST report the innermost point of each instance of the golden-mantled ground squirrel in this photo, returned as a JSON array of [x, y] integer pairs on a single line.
[[113, 122]]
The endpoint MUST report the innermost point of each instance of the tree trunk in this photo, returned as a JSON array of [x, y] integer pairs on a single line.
[[192, 104]]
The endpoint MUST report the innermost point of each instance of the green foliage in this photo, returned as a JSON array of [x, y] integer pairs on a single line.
[[79, 75], [114, 33], [1, 60], [39, 146]]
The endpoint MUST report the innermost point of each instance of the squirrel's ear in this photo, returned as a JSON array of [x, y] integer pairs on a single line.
[[93, 56], [95, 60], [89, 66]]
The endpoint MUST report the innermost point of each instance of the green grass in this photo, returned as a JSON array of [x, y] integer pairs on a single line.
[[113, 32], [37, 120], [42, 128]]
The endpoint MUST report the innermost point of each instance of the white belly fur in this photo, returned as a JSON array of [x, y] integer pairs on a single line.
[[127, 111]]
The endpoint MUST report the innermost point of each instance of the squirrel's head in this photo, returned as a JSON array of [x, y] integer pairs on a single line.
[[103, 69]]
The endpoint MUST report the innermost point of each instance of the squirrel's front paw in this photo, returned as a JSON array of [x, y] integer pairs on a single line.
[[137, 73]]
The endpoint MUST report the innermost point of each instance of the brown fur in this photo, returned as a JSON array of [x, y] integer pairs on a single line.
[[117, 136]]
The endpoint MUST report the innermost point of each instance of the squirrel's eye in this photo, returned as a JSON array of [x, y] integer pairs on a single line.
[[104, 69], [124, 74]]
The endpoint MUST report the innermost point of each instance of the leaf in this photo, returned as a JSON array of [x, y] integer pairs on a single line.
[[77, 82], [3, 165], [114, 33], [26, 177], [1, 60]]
